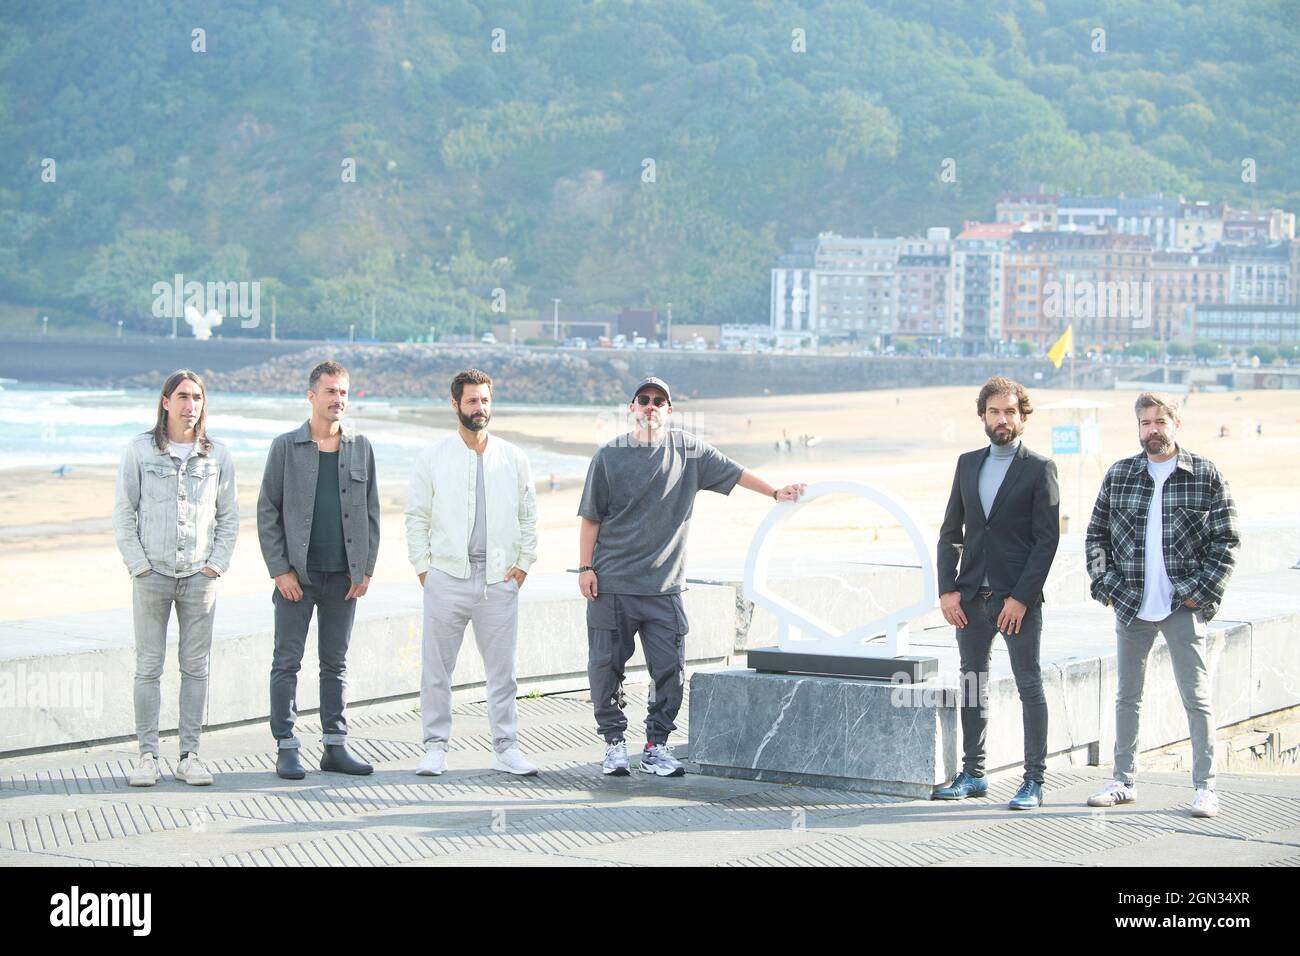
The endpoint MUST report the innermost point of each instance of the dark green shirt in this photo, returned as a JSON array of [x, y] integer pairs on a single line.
[[325, 550]]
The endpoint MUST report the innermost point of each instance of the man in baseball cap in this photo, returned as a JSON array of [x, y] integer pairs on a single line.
[[636, 511]]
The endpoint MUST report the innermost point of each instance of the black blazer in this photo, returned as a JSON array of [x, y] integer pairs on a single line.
[[1015, 543]]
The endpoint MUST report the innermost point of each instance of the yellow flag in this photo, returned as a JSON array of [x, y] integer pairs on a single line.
[[1063, 345]]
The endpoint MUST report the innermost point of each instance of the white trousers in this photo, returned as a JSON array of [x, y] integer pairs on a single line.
[[449, 605]]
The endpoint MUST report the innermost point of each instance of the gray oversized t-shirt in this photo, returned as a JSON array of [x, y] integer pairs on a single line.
[[643, 496]]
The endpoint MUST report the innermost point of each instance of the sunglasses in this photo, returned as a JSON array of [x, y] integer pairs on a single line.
[[644, 400]]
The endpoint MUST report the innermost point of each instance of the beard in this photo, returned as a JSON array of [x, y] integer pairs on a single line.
[[476, 422], [650, 421], [1157, 445], [1006, 437]]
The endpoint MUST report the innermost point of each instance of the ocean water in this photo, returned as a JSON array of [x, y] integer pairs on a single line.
[[43, 427]]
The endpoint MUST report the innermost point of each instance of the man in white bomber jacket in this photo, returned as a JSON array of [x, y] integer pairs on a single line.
[[471, 534]]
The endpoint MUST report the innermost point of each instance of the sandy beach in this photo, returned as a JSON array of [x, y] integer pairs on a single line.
[[57, 553]]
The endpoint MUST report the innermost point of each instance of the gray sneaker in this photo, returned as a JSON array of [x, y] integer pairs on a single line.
[[658, 759], [615, 763]]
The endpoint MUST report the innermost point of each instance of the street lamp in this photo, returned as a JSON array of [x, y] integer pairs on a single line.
[[556, 333]]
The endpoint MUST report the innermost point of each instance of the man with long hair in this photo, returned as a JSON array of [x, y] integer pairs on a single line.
[[471, 534], [318, 525], [175, 517]]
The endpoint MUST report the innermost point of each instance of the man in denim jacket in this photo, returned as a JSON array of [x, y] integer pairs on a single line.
[[175, 519]]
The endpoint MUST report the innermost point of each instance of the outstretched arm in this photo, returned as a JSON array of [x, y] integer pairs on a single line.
[[754, 483]]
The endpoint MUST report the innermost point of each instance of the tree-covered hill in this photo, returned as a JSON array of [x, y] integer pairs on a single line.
[[528, 168]]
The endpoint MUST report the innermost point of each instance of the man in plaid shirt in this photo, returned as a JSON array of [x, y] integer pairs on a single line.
[[1173, 589]]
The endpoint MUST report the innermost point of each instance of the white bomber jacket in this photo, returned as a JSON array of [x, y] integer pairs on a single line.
[[440, 508]]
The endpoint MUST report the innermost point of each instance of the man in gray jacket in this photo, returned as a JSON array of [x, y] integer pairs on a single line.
[[318, 523]]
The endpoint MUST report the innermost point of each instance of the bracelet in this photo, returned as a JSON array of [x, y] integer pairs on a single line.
[[775, 493], [586, 567]]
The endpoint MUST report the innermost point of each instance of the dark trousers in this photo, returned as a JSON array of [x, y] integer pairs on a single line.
[[613, 620], [334, 629], [975, 641]]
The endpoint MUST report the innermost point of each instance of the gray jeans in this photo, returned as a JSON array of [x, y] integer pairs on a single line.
[[152, 597], [613, 621], [1184, 632], [449, 605]]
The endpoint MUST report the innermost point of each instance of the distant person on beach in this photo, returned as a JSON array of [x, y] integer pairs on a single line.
[[1002, 525], [471, 535], [176, 518], [318, 523], [636, 512], [1161, 546]]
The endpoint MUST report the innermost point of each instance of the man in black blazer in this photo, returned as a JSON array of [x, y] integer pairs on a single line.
[[1002, 524]]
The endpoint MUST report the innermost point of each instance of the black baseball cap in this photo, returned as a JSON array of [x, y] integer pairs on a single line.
[[658, 383]]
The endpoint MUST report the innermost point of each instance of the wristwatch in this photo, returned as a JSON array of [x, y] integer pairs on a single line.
[[586, 567]]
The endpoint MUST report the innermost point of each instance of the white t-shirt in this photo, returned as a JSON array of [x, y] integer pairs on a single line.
[[1157, 589], [182, 452]]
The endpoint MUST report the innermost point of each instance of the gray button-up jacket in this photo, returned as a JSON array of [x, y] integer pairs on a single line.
[[175, 517], [287, 501]]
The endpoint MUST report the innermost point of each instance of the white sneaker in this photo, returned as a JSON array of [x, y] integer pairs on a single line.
[[1206, 804], [191, 770], [433, 763], [1113, 794], [145, 773], [512, 761]]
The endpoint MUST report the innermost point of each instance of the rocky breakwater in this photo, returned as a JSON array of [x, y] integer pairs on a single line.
[[605, 375], [425, 371]]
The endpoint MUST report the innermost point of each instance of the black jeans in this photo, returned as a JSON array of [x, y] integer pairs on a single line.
[[334, 630], [975, 641]]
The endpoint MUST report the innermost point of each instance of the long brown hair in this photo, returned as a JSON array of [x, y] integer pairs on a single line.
[[200, 427]]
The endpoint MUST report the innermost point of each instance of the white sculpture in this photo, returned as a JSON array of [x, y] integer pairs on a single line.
[[821, 637], [202, 324]]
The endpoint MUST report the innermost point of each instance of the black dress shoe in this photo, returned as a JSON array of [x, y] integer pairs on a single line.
[[288, 766], [337, 759]]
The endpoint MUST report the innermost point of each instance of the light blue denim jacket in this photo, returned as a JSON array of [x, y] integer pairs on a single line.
[[175, 517]]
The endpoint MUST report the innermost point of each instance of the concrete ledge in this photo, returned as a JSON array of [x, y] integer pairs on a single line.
[[67, 680]]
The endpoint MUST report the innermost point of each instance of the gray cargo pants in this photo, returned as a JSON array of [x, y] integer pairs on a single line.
[[613, 620]]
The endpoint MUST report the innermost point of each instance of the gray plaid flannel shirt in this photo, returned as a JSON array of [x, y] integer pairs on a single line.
[[1198, 530]]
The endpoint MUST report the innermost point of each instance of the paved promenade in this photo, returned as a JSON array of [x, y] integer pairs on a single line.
[[73, 808]]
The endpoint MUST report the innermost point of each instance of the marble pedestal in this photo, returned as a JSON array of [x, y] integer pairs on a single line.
[[821, 731]]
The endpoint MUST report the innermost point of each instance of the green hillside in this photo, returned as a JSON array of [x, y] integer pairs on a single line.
[[524, 170]]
